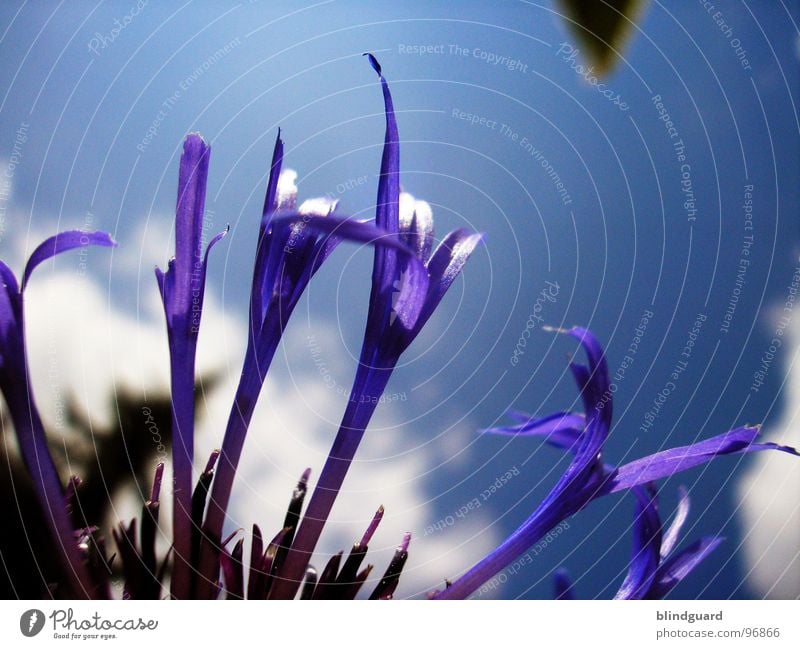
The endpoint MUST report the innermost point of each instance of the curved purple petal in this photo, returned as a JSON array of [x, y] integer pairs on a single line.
[[587, 478], [385, 271], [409, 304], [595, 386], [446, 263], [561, 429], [677, 568], [646, 553], [28, 428], [262, 247], [10, 312], [672, 534], [675, 460], [387, 216], [62, 242]]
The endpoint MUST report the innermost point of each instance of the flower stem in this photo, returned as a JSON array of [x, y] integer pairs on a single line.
[[182, 371], [359, 411], [507, 552], [254, 370], [47, 485]]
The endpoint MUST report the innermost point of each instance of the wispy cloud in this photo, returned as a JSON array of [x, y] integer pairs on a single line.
[[768, 492]]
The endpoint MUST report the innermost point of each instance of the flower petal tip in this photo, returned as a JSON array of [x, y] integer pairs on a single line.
[[194, 139], [374, 63]]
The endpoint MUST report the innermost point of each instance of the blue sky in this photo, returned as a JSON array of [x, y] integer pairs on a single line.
[[102, 115]]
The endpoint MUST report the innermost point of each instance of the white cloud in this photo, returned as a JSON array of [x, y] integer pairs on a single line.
[[768, 492], [80, 347], [293, 428]]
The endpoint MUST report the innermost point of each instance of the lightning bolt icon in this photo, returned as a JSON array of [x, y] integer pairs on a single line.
[[32, 621]]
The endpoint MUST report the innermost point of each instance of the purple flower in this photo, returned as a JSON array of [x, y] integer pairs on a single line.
[[16, 387], [655, 568], [392, 325], [286, 259], [587, 477], [182, 288], [293, 244]]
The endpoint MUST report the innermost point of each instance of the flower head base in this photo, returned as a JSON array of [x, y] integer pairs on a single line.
[[340, 579]]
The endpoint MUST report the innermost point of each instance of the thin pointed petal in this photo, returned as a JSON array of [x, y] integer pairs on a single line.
[[447, 262], [271, 197], [561, 429], [232, 571], [327, 580], [672, 535], [391, 578], [62, 242], [672, 461], [255, 582], [646, 553], [373, 526], [677, 567]]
